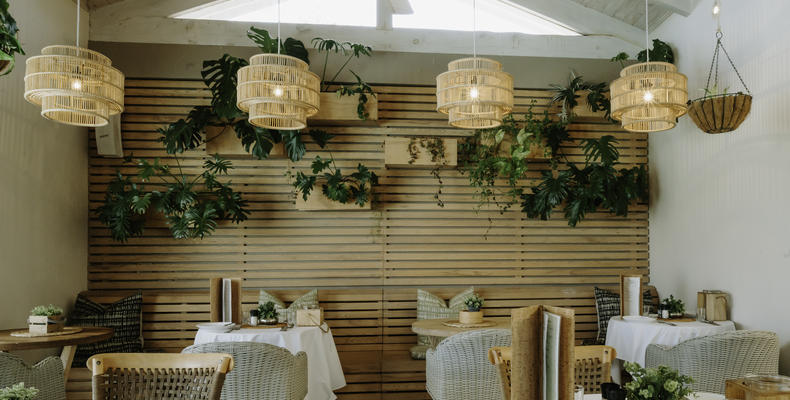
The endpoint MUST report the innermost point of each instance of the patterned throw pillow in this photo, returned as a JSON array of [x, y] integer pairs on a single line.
[[607, 305], [288, 314], [430, 306], [124, 316]]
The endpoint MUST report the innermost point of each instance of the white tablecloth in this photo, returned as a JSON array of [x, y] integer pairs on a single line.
[[630, 339], [695, 396], [324, 372]]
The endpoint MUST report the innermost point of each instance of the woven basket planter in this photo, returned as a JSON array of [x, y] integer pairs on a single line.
[[719, 114]]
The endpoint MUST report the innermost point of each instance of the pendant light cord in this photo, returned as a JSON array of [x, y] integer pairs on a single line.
[[474, 28], [278, 27], [647, 33], [78, 23]]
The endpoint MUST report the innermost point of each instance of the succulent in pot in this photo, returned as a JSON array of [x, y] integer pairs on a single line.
[[18, 392], [472, 314], [267, 313], [45, 319]]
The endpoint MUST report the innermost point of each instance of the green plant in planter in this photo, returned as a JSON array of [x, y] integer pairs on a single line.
[[50, 310], [597, 99], [349, 51], [267, 311], [353, 188], [473, 303], [599, 184], [192, 206], [435, 146], [662, 383], [661, 51], [220, 76], [18, 392], [674, 306], [501, 154], [9, 42]]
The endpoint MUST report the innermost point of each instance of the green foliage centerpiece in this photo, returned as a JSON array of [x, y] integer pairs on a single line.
[[662, 383], [267, 313], [18, 392], [472, 315], [45, 319]]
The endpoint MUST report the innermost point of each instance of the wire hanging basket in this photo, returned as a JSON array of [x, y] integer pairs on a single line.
[[720, 112]]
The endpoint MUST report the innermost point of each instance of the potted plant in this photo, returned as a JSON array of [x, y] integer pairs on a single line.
[[348, 102], [343, 192], [267, 314], [432, 151], [662, 383], [674, 306], [45, 319], [472, 314], [581, 99], [9, 42], [18, 392]]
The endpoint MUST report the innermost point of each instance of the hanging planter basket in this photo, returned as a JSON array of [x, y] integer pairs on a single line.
[[720, 113]]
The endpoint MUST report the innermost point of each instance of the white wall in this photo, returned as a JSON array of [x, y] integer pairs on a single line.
[[720, 208], [43, 180]]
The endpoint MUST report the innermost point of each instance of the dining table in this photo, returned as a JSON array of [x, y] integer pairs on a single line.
[[437, 329], [631, 338], [68, 339], [324, 372], [693, 396]]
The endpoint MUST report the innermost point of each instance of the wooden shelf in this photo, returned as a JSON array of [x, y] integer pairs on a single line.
[[336, 108], [223, 141]]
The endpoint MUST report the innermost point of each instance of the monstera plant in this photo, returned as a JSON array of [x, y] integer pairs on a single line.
[[9, 42], [347, 51]]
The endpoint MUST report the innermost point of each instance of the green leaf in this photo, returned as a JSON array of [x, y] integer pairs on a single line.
[[320, 137], [661, 51], [268, 44], [255, 140], [294, 146], [221, 78], [186, 134], [603, 149]]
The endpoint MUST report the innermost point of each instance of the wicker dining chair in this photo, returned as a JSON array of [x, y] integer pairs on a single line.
[[262, 371], [46, 375], [593, 367], [158, 376]]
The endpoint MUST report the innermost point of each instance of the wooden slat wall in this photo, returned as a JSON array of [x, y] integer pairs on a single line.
[[405, 241]]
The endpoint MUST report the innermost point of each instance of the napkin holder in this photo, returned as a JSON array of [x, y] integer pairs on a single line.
[[627, 283], [739, 389], [713, 303], [216, 300], [310, 317]]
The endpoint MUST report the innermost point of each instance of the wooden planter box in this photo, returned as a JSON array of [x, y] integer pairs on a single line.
[[316, 201], [396, 153], [537, 152], [337, 108], [223, 141], [41, 325]]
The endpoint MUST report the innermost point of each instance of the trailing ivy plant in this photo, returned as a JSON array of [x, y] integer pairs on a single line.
[[568, 97], [599, 184], [192, 206], [435, 147], [501, 154], [9, 40], [348, 51], [220, 76], [355, 187]]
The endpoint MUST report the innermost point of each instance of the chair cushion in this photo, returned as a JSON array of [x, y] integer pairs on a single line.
[[607, 305], [288, 314], [430, 306], [46, 375], [124, 316]]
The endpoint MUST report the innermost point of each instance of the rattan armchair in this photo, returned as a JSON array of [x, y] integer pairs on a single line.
[[262, 371], [46, 375], [133, 376], [458, 367], [593, 367], [711, 360]]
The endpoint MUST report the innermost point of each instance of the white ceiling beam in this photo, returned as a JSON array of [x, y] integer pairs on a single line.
[[141, 29], [583, 20], [681, 7]]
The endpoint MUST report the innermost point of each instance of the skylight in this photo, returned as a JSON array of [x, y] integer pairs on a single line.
[[492, 16], [453, 15]]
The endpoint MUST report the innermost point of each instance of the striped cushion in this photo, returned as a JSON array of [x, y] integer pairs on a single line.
[[430, 306], [288, 314], [607, 305], [124, 316]]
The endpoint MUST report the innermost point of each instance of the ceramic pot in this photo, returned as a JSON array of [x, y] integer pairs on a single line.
[[470, 317], [264, 321]]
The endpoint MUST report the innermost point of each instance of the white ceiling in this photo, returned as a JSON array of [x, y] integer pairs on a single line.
[[606, 27]]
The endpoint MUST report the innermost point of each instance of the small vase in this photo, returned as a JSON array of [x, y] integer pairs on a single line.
[[470, 317], [264, 321]]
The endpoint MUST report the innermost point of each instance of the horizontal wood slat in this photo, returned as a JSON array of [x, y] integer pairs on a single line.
[[367, 263]]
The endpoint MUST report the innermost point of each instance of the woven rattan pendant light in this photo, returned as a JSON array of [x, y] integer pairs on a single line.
[[73, 85], [278, 91], [475, 93], [649, 96]]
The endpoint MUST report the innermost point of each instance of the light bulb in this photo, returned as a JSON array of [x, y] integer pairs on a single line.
[[474, 93], [648, 97], [716, 9], [76, 84], [278, 92]]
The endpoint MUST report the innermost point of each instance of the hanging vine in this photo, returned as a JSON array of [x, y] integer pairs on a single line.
[[436, 148]]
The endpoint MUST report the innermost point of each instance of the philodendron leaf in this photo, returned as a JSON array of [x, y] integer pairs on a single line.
[[256, 141], [320, 137], [294, 146], [221, 78]]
